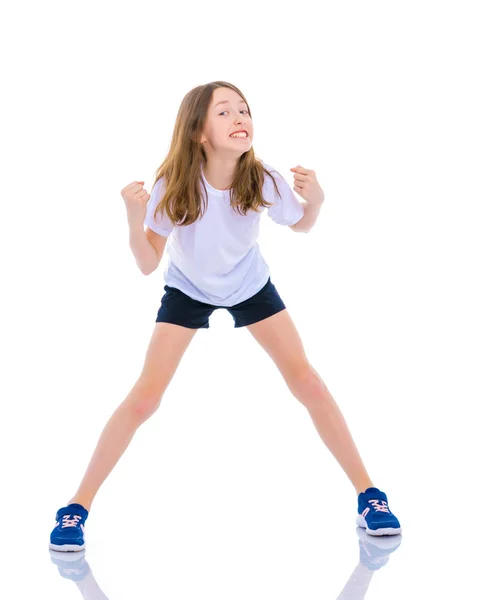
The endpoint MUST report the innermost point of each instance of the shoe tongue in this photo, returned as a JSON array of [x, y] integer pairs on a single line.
[[374, 492], [74, 508], [77, 506]]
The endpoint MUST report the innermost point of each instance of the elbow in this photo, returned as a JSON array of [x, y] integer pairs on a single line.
[[302, 230], [148, 271], [151, 269]]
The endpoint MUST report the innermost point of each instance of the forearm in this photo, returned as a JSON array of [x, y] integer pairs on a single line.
[[143, 251], [311, 213]]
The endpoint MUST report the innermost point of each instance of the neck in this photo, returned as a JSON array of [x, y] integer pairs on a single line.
[[219, 173]]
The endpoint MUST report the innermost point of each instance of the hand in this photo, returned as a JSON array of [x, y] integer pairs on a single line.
[[136, 199], [307, 186]]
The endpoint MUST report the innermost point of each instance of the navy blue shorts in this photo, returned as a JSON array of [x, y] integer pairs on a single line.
[[179, 309]]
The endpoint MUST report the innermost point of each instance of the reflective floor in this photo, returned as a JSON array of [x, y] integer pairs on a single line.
[[373, 556], [220, 561], [238, 515]]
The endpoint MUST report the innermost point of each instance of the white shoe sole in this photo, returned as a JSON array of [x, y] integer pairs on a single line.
[[67, 547], [361, 521]]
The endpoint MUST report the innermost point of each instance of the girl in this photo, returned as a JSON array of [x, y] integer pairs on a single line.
[[207, 200]]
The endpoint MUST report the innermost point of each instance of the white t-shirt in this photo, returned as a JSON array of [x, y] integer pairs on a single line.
[[217, 260]]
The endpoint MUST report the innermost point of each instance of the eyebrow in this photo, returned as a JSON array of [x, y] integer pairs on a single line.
[[227, 102]]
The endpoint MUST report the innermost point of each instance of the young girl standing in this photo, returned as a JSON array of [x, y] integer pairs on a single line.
[[207, 201]]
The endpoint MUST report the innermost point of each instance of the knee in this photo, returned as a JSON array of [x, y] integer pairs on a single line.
[[144, 399], [307, 385]]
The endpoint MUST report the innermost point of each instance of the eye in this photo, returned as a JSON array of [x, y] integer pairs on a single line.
[[245, 110]]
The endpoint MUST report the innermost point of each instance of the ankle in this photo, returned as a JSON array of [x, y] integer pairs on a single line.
[[361, 488], [85, 503]]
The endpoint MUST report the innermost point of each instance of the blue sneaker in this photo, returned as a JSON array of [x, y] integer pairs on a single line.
[[67, 535], [374, 514]]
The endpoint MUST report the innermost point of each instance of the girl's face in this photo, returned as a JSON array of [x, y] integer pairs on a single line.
[[228, 112]]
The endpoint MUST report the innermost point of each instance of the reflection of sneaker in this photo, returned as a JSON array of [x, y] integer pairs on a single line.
[[374, 514], [67, 535], [74, 566], [374, 551], [71, 565]]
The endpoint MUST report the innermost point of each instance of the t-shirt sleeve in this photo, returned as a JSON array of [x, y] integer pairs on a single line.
[[287, 209], [160, 224]]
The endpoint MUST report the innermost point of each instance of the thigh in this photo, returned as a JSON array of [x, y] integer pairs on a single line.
[[279, 337], [167, 345]]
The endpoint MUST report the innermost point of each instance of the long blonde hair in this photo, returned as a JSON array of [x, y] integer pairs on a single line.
[[182, 166]]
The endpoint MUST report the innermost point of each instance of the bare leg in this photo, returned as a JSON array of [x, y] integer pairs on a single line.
[[137, 407], [167, 346], [280, 339], [334, 432]]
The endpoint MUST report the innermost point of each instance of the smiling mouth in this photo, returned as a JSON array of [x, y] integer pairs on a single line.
[[240, 137]]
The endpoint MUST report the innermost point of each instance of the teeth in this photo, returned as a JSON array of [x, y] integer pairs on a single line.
[[239, 135]]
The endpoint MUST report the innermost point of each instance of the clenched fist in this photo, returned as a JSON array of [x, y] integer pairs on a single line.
[[135, 198]]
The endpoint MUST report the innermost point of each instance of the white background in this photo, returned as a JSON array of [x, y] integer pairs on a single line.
[[228, 491]]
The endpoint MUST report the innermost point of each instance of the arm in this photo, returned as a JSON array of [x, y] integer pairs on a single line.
[[311, 213], [147, 247]]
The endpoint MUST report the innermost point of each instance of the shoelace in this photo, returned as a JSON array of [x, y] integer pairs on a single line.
[[69, 522], [379, 507]]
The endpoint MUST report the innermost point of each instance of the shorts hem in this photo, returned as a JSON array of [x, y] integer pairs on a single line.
[[182, 324], [242, 324]]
